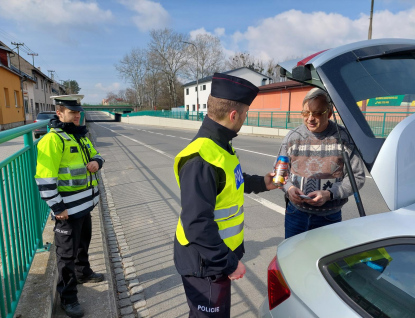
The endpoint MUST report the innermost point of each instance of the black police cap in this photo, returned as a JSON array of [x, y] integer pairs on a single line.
[[233, 88]]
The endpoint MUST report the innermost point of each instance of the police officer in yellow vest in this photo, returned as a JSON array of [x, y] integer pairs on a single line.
[[66, 177], [208, 244]]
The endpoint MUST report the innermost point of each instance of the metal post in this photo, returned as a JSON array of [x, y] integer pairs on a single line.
[[197, 78], [28, 141], [370, 23], [21, 81]]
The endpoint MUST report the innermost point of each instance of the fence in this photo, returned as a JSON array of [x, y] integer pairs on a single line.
[[23, 216], [381, 123]]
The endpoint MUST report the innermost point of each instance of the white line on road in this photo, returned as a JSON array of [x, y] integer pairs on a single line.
[[139, 142], [267, 203], [259, 153]]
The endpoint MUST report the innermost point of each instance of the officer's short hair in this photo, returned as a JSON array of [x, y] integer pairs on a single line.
[[61, 108], [219, 108]]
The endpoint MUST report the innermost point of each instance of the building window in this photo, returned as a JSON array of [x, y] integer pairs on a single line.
[[204, 106], [203, 87], [41, 84], [264, 81], [6, 96], [16, 99], [196, 89], [36, 86], [193, 107], [187, 91]]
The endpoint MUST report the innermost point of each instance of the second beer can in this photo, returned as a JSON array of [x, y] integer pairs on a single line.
[[281, 170]]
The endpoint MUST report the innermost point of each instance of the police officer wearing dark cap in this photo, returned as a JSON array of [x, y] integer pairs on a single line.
[[208, 245], [66, 177]]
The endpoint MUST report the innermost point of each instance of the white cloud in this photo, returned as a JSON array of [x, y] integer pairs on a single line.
[[195, 33], [296, 34], [113, 87], [151, 15], [219, 32], [56, 13]]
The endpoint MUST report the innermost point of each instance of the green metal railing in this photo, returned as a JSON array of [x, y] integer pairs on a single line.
[[381, 123], [23, 216]]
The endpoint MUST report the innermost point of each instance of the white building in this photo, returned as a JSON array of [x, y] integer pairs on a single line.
[[205, 85]]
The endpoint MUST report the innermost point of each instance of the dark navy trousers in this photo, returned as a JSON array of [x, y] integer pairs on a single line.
[[72, 239]]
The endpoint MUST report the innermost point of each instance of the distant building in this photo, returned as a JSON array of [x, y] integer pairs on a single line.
[[281, 96], [11, 101], [37, 87], [205, 84]]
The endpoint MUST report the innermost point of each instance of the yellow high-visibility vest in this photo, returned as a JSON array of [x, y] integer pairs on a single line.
[[69, 166], [229, 212]]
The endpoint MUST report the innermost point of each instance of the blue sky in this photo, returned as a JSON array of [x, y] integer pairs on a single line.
[[82, 40]]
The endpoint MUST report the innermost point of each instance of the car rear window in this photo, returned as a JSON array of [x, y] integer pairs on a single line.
[[382, 86], [381, 281], [43, 116]]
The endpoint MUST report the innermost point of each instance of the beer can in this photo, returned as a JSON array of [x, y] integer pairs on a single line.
[[281, 168]]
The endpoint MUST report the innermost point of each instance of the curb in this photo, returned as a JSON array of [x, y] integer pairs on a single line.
[[131, 299]]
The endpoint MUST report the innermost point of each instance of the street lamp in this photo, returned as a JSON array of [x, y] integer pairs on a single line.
[[197, 78]]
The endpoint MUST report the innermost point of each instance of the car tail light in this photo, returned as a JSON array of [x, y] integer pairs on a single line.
[[35, 121], [278, 290]]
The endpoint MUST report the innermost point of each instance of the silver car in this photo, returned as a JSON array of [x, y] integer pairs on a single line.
[[363, 267]]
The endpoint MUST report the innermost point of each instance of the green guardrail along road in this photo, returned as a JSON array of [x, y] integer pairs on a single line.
[[381, 123], [23, 216]]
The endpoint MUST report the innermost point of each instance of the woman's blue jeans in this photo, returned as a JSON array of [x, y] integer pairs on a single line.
[[297, 222]]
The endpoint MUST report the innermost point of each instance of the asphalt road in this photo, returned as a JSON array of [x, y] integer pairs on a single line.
[[139, 161]]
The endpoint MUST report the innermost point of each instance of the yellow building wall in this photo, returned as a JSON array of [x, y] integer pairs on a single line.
[[10, 82]]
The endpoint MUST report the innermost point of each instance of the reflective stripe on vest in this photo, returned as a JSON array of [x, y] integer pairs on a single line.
[[228, 212]]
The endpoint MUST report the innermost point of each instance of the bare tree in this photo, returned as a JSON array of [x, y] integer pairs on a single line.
[[208, 57], [168, 55], [133, 68], [245, 60], [238, 60]]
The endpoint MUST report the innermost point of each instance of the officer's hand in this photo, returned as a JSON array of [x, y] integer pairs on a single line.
[[62, 216], [239, 272], [92, 166], [270, 184]]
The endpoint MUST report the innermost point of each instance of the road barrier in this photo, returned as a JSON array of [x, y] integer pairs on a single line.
[[23, 216], [381, 123]]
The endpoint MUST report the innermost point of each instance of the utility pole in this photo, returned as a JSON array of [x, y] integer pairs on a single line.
[[370, 23], [33, 57], [21, 78], [197, 78], [51, 74]]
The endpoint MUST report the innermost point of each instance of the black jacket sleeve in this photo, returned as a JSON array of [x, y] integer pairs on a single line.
[[198, 197], [254, 183]]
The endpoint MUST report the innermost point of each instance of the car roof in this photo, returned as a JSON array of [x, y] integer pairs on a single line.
[[299, 256], [324, 56]]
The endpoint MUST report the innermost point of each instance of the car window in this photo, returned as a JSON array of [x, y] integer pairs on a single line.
[[43, 116], [381, 280]]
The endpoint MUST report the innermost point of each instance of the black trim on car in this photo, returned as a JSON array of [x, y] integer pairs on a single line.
[[325, 261]]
